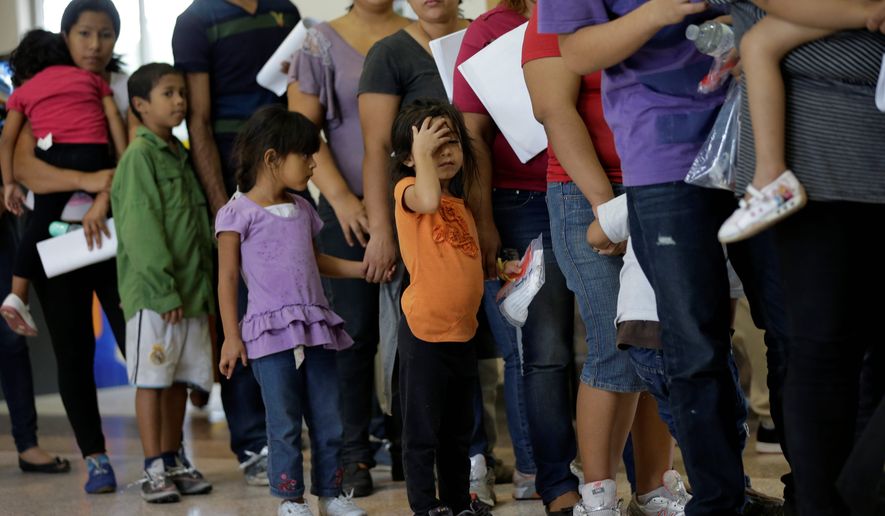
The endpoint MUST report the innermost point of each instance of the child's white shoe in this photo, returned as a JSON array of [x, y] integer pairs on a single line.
[[599, 498], [290, 508], [18, 316], [341, 506], [776, 201]]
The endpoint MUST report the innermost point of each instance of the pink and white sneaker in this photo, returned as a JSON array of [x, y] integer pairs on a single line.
[[17, 316], [776, 201]]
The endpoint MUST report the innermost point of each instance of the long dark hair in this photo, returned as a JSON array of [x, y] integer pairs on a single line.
[[77, 7], [401, 142], [38, 50], [271, 128]]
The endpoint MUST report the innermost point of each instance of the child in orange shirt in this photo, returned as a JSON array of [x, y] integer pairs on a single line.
[[437, 360]]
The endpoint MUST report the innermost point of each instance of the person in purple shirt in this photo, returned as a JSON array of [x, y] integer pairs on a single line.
[[660, 121]]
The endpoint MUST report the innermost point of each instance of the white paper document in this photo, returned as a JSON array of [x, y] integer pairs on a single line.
[[271, 75], [68, 252], [495, 74], [880, 88], [445, 52]]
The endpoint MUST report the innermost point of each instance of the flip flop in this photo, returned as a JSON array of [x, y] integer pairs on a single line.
[[57, 466]]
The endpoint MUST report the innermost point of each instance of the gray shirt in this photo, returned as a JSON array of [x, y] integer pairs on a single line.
[[834, 131], [399, 65]]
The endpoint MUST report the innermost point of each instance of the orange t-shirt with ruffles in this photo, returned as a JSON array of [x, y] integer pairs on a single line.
[[441, 253]]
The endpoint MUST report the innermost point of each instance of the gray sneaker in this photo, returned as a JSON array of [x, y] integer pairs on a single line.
[[186, 478], [482, 480], [255, 468], [156, 487]]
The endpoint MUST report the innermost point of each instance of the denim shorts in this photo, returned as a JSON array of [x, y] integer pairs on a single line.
[[595, 281]]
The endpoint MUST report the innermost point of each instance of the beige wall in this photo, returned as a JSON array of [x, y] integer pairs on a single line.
[[15, 19], [328, 9]]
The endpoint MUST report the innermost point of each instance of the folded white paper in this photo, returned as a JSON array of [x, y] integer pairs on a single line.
[[68, 252], [445, 52], [880, 88], [271, 75], [495, 74]]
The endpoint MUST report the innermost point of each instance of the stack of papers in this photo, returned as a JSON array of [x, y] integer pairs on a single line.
[[271, 75], [68, 252], [445, 52], [495, 74]]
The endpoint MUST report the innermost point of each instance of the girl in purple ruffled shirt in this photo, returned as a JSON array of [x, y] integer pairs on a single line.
[[289, 335]]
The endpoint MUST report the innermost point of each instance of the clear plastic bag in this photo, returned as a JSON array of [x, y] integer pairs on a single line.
[[714, 167], [515, 297]]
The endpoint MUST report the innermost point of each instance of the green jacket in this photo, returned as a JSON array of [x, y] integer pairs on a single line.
[[164, 249]]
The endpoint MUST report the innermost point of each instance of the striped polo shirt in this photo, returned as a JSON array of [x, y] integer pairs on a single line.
[[231, 45]]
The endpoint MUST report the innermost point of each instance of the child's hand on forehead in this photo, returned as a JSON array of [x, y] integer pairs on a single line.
[[433, 134]]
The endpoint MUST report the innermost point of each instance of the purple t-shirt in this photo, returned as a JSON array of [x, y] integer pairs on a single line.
[[650, 99], [287, 306], [328, 67]]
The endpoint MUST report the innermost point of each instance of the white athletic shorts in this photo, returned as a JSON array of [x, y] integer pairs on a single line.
[[160, 354]]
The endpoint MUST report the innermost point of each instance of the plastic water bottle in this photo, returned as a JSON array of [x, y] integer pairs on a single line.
[[711, 38], [59, 228]]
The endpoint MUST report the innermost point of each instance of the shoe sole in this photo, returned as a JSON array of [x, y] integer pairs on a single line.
[[164, 498], [16, 322], [201, 491], [103, 490], [789, 208]]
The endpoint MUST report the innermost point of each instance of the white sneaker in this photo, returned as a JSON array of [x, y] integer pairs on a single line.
[[290, 508], [676, 487], [776, 201], [576, 471], [18, 316], [255, 468], [659, 502], [482, 480], [599, 498], [341, 506], [524, 486]]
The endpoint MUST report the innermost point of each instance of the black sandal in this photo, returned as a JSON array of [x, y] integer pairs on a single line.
[[57, 466]]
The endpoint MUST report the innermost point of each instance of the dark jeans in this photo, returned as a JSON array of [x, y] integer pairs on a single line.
[[537, 358], [437, 382], [309, 392], [356, 301], [67, 308], [15, 362], [674, 227], [241, 396], [834, 295]]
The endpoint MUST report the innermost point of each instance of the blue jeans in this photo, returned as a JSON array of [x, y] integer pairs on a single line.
[[15, 363], [537, 357], [649, 365], [241, 397], [674, 227], [356, 301], [289, 394], [595, 280]]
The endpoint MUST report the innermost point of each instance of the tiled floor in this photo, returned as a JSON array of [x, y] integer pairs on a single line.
[[208, 445]]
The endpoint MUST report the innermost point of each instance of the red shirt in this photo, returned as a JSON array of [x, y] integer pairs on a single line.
[[65, 101], [508, 172], [539, 46]]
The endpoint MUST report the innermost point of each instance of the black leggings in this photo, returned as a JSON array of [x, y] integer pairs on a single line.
[[67, 309], [86, 157], [833, 285], [437, 386]]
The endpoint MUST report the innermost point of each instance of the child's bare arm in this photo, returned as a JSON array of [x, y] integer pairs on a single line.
[[115, 123], [228, 283], [425, 195], [335, 267], [12, 194], [822, 14], [597, 47]]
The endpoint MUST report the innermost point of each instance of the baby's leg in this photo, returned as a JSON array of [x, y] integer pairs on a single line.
[[762, 50]]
